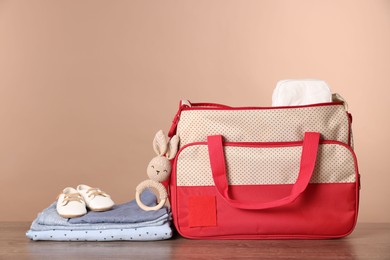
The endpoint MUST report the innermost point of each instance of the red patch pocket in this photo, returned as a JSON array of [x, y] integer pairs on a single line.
[[202, 211]]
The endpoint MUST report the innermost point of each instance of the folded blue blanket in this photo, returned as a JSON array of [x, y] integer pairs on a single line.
[[125, 213], [124, 222], [35, 226], [133, 234], [128, 212]]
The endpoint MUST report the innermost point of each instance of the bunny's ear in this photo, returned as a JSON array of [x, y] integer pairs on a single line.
[[160, 143], [173, 147]]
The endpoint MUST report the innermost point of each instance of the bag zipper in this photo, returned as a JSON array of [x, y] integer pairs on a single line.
[[187, 105], [183, 104]]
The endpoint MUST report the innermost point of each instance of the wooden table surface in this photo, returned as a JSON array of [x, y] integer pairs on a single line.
[[368, 241]]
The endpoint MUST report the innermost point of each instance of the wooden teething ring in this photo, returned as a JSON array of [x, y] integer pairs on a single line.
[[155, 186]]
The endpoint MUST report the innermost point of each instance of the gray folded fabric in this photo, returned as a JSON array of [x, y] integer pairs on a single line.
[[35, 226], [124, 213], [124, 222], [128, 212]]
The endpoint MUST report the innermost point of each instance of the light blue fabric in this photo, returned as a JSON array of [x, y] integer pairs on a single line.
[[124, 222], [133, 234], [157, 222]]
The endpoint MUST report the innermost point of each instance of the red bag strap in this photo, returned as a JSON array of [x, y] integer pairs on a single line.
[[218, 168]]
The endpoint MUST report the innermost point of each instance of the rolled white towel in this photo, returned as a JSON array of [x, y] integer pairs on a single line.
[[301, 92]]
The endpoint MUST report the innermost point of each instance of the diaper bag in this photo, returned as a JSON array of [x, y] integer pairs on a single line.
[[264, 172]]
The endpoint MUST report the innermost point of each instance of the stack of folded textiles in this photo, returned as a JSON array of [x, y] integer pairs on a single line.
[[124, 222]]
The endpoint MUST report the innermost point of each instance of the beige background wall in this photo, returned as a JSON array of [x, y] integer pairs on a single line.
[[84, 85]]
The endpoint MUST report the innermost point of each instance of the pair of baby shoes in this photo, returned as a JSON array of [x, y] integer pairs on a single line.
[[74, 202]]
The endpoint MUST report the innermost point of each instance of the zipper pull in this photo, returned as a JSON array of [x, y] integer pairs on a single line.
[[336, 97], [183, 104]]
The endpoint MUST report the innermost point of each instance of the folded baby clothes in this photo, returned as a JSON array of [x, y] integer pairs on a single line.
[[126, 213], [301, 92], [160, 232], [35, 226], [125, 222]]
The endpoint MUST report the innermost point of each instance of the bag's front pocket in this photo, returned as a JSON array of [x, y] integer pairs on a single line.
[[259, 173], [202, 211]]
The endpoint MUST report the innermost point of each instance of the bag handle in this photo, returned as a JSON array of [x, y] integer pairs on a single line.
[[218, 168]]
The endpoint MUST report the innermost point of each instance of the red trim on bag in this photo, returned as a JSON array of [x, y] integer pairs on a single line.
[[211, 106], [349, 116], [267, 145], [175, 121]]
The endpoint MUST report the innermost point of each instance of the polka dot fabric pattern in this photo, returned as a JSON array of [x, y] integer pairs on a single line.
[[264, 172], [265, 165], [264, 124], [150, 233]]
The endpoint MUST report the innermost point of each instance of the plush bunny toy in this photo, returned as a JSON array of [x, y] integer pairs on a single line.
[[158, 170]]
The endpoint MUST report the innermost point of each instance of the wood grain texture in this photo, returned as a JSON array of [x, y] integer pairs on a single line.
[[368, 241]]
